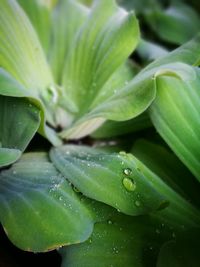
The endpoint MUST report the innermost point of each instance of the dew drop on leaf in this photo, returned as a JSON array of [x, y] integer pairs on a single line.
[[127, 171], [129, 184]]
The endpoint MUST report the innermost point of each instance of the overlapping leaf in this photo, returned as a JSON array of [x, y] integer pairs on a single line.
[[39, 209], [110, 178], [16, 128], [175, 114], [167, 166]]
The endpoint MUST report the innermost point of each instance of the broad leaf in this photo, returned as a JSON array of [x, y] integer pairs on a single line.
[[119, 241], [105, 40], [19, 121], [11, 87], [113, 128], [177, 24], [21, 52], [39, 209], [167, 166], [175, 114], [39, 12], [110, 178], [67, 18]]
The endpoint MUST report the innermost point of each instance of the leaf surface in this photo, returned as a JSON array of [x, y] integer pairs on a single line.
[[39, 209], [109, 178]]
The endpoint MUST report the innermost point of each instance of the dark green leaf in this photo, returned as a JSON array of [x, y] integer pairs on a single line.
[[19, 121], [119, 241], [167, 166]]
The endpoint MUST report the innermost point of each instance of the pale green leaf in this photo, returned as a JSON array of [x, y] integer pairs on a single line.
[[39, 209], [39, 12], [105, 40], [175, 114], [20, 50], [110, 178], [67, 18]]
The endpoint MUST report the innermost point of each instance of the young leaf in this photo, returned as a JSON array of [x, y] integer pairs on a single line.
[[175, 114], [103, 43], [67, 18], [110, 178], [39, 12], [21, 52], [19, 121], [39, 210]]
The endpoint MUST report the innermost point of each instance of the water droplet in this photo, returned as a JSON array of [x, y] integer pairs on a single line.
[[129, 184], [90, 241], [127, 171], [110, 222], [14, 172], [137, 203], [118, 210], [60, 198]]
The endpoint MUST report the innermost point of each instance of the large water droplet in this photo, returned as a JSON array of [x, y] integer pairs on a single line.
[[127, 171], [129, 184], [110, 222]]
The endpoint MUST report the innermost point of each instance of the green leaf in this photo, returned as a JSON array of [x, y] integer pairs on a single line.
[[67, 18], [167, 166], [8, 156], [105, 40], [19, 121], [39, 12], [21, 52], [177, 24], [39, 209], [188, 53], [175, 114], [109, 178], [150, 51], [113, 128], [119, 241]]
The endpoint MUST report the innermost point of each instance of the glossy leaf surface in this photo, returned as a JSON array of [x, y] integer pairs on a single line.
[[175, 114], [39, 209], [110, 178]]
